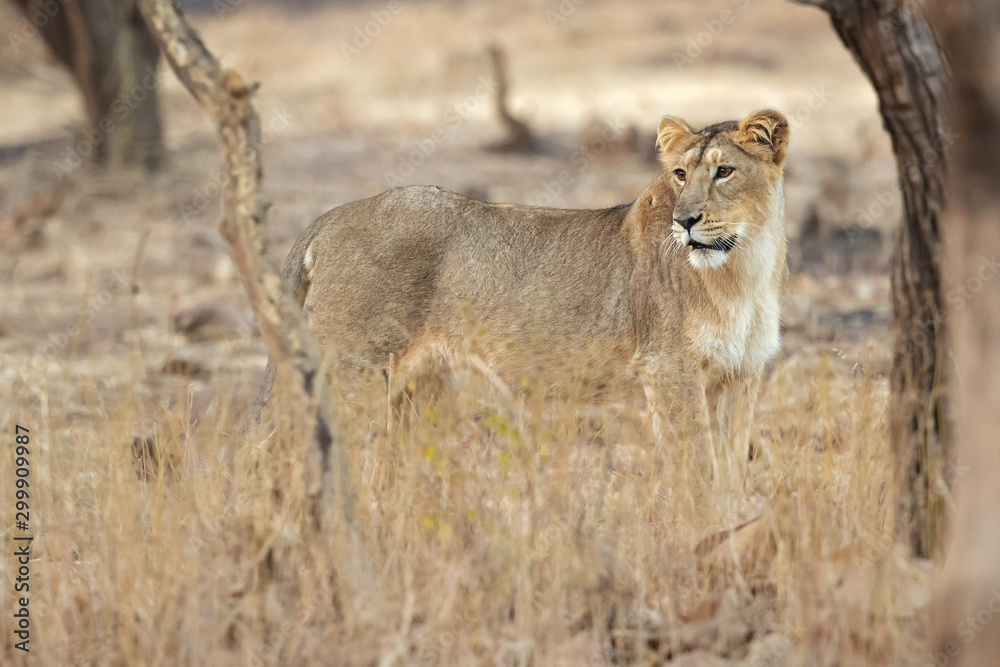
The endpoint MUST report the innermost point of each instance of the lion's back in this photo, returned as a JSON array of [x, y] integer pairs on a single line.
[[385, 269]]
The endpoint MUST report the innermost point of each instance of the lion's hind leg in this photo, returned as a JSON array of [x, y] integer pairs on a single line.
[[417, 383]]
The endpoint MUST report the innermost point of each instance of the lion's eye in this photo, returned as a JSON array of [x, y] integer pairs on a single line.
[[724, 172], [680, 174]]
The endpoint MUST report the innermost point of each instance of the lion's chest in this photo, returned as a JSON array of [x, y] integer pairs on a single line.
[[739, 336]]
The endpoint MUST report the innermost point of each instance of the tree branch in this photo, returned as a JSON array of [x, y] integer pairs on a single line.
[[227, 99]]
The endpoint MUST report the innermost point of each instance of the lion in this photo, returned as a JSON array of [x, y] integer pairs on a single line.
[[680, 289]]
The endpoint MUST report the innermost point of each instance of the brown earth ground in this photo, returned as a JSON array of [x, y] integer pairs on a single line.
[[558, 538]]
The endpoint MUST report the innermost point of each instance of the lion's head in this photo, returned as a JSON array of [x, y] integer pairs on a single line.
[[726, 179]]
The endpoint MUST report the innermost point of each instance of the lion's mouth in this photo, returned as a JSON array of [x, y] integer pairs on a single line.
[[725, 244]]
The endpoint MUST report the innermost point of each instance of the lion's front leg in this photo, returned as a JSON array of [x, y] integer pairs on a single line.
[[735, 412], [681, 420]]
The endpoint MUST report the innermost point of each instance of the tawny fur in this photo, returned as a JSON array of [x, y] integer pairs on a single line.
[[421, 272]]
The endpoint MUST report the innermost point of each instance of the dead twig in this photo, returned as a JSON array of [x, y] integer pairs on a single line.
[[520, 139]]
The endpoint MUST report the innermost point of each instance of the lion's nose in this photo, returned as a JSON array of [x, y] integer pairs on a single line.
[[688, 223]]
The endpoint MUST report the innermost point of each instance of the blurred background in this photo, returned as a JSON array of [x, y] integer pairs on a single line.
[[128, 342], [109, 181]]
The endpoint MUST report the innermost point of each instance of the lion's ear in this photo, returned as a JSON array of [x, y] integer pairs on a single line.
[[671, 133], [765, 133]]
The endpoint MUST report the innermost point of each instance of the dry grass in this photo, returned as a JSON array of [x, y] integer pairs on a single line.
[[553, 538]]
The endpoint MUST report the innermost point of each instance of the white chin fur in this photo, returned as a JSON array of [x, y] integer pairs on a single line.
[[704, 258]]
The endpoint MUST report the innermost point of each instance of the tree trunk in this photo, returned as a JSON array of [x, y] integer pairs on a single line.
[[113, 59], [144, 144], [898, 52], [967, 601], [227, 99]]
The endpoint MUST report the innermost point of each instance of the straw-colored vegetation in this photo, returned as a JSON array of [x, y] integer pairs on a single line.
[[558, 534]]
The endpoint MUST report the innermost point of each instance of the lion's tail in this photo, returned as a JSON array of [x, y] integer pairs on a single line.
[[298, 267]]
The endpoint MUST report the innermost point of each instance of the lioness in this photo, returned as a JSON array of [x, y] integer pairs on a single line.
[[681, 287]]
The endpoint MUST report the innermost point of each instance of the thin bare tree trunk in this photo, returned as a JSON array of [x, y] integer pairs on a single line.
[[967, 604], [113, 59], [144, 145], [227, 99], [897, 50]]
